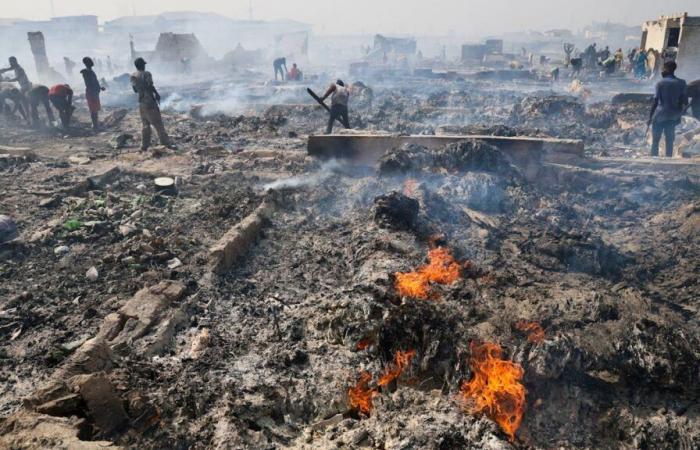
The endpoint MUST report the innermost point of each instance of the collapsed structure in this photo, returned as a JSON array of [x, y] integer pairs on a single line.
[[675, 37]]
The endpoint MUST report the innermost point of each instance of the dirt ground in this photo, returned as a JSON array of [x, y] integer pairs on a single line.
[[602, 253]]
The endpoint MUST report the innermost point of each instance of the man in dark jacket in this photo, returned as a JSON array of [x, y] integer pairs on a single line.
[[92, 91], [669, 105]]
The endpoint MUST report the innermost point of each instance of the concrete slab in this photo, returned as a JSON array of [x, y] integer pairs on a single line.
[[526, 152]]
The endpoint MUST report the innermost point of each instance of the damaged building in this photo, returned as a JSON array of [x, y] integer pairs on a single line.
[[174, 51], [251, 34], [676, 37]]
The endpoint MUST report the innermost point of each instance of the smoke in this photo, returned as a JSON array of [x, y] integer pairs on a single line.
[[327, 170]]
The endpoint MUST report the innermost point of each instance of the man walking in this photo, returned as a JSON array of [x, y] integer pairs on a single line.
[[339, 104], [61, 97], [149, 99], [669, 105], [92, 91]]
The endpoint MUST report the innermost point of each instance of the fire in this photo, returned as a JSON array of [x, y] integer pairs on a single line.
[[495, 388], [364, 343], [412, 284], [401, 361], [535, 333], [442, 269], [360, 396]]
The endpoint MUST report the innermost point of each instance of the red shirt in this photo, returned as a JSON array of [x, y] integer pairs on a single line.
[[61, 90]]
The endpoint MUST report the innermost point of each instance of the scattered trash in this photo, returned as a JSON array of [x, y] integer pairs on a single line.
[[165, 185], [80, 160], [61, 250], [92, 274], [72, 224], [174, 263]]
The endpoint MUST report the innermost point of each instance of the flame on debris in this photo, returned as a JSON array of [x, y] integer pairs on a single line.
[[360, 396], [364, 343], [442, 269], [535, 333], [495, 388], [393, 371]]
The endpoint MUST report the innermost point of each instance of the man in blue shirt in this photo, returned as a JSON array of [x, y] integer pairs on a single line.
[[669, 105]]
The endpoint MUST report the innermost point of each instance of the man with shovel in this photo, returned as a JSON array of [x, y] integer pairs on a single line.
[[340, 96]]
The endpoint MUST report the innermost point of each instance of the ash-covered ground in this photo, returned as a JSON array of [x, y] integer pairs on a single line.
[[601, 254]]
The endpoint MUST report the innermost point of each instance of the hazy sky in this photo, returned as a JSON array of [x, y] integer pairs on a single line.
[[464, 17]]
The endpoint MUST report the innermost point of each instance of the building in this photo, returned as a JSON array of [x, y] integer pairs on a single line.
[[675, 37], [475, 53], [145, 31]]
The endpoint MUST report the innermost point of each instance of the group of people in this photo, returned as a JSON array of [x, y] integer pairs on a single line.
[[29, 97], [279, 65]]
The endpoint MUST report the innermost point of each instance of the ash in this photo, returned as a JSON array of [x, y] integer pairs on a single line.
[[237, 307]]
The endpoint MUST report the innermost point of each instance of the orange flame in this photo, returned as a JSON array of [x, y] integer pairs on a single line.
[[364, 343], [442, 269], [495, 388], [535, 333], [401, 361], [360, 396]]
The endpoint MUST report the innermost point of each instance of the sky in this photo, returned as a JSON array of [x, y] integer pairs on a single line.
[[414, 17]]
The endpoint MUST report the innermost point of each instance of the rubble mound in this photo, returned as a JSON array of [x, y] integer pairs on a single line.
[[479, 190], [406, 158], [396, 211], [574, 252], [489, 130], [564, 107], [444, 99], [473, 155], [655, 353], [429, 327], [465, 156]]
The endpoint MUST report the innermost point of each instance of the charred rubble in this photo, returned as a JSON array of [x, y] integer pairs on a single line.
[[268, 299]]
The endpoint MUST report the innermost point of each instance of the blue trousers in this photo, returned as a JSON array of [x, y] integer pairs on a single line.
[[668, 129]]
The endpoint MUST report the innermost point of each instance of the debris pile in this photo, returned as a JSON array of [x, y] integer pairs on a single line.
[[234, 292]]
